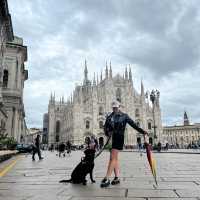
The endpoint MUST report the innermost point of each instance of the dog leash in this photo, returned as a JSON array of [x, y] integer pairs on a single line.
[[99, 153]]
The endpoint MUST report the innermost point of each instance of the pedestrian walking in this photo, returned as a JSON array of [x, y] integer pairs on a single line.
[[69, 147], [61, 149], [36, 148], [115, 125]]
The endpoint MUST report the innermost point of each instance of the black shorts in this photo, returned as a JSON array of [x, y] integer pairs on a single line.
[[117, 142]]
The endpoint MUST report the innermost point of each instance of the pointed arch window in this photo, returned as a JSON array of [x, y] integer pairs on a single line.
[[87, 124], [101, 124], [137, 112], [5, 78], [100, 110], [149, 125], [118, 94], [58, 127]]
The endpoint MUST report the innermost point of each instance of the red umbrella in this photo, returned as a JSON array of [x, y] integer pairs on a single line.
[[152, 161]]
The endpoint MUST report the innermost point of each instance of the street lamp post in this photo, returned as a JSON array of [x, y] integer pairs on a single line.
[[153, 96]]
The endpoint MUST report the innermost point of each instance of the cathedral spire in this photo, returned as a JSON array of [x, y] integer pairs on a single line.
[[94, 80], [186, 120], [142, 88], [51, 98], [97, 79], [62, 99], [85, 72], [126, 74], [106, 70], [54, 97], [130, 74], [110, 73], [71, 98], [101, 77]]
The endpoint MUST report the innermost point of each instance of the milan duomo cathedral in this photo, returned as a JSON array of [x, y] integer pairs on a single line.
[[85, 113]]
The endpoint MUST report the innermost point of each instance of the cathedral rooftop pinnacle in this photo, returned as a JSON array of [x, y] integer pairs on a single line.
[[130, 74], [97, 79], [126, 74], [101, 77], [51, 97], [142, 88], [63, 99], [106, 71], [86, 80], [94, 79], [110, 73], [86, 71]]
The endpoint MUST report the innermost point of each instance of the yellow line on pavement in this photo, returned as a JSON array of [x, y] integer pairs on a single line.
[[7, 168]]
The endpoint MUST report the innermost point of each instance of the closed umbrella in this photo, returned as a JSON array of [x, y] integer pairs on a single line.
[[151, 160]]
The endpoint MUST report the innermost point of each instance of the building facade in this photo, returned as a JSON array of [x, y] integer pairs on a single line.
[[6, 34], [45, 128], [85, 112], [182, 135], [12, 77], [32, 134]]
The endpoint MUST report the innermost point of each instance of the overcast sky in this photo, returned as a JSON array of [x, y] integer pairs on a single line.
[[160, 39]]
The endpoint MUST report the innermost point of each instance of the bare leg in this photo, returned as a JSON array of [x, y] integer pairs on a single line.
[[112, 162], [116, 169]]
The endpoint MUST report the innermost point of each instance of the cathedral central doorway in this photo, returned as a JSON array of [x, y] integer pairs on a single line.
[[139, 140]]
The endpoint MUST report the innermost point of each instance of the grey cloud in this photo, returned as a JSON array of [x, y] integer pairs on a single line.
[[161, 37]]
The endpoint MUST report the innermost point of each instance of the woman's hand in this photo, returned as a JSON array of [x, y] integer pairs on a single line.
[[146, 133]]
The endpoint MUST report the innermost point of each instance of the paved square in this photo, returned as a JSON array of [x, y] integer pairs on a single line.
[[178, 178]]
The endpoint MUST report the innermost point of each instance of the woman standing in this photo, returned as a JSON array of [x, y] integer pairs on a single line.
[[115, 125]]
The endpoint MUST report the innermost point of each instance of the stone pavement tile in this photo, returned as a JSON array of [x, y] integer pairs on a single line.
[[46, 196], [130, 183], [177, 185], [92, 191], [151, 193], [190, 192], [187, 172], [24, 194], [6, 163], [147, 179], [40, 180], [172, 199], [105, 198], [31, 186], [179, 179], [133, 185]]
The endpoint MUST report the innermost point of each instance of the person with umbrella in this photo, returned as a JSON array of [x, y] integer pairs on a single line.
[[115, 126]]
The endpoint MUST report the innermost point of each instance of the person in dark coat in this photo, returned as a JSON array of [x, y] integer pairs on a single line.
[[36, 148], [61, 149], [159, 146], [69, 146], [115, 125]]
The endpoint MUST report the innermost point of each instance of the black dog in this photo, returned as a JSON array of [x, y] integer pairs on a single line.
[[85, 167]]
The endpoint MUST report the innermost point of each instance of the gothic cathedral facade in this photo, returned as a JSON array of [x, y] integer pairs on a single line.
[[85, 112]]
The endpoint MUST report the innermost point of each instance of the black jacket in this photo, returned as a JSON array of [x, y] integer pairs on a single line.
[[116, 123]]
